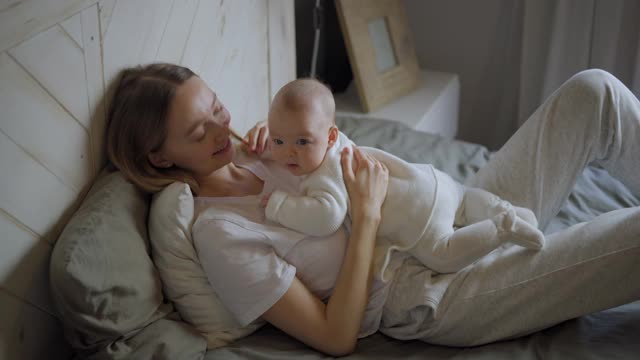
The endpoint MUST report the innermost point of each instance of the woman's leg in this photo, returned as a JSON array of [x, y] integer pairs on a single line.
[[512, 292], [592, 117], [583, 269]]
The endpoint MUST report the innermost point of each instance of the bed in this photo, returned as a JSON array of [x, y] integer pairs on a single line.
[[126, 281], [60, 59], [614, 333]]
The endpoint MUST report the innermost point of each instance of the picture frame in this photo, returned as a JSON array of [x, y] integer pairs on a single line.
[[380, 50]]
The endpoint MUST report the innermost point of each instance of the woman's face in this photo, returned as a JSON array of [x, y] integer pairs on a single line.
[[198, 131]]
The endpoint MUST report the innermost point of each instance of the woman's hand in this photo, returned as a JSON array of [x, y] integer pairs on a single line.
[[255, 141], [366, 180], [333, 328]]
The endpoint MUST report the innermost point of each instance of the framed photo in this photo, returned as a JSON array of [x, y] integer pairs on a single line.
[[380, 50]]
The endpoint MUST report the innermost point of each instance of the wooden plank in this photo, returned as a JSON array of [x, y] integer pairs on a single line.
[[207, 26], [230, 55], [122, 42], [34, 121], [156, 30], [73, 27], [105, 8], [133, 29], [23, 19], [57, 63], [282, 44], [31, 193], [235, 63], [95, 85], [24, 263], [177, 31], [27, 333]]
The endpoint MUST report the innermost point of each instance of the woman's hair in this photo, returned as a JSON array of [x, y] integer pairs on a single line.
[[137, 124]]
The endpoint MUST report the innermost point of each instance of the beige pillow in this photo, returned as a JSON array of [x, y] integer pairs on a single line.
[[105, 286], [183, 279]]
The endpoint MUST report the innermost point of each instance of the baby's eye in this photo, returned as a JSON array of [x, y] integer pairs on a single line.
[[302, 142], [278, 141]]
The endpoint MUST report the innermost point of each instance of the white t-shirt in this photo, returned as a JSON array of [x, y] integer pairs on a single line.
[[251, 261]]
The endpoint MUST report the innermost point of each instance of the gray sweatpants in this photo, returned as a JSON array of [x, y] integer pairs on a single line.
[[586, 268]]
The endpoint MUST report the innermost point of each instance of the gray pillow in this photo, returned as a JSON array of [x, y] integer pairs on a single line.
[[105, 286]]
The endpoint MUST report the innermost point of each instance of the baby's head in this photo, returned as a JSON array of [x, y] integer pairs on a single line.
[[302, 125]]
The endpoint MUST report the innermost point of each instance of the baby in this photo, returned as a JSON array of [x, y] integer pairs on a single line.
[[423, 206]]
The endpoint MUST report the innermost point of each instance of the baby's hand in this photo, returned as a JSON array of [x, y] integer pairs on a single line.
[[265, 200]]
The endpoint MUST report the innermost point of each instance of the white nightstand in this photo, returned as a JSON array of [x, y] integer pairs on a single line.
[[433, 107]]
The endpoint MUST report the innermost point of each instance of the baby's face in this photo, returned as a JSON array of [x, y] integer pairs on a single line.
[[299, 140]]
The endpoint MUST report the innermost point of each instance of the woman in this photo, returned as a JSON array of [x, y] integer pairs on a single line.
[[167, 125]]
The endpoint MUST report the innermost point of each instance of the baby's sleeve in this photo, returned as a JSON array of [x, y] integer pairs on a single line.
[[322, 207], [243, 269]]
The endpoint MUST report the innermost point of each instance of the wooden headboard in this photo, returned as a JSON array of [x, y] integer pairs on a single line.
[[56, 60]]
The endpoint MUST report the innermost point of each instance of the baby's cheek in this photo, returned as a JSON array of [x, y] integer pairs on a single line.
[[316, 158], [280, 157], [276, 153]]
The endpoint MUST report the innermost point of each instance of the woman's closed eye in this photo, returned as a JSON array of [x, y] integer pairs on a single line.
[[200, 136]]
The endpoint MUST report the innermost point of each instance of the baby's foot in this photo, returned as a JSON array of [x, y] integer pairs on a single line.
[[526, 215], [518, 231], [523, 213]]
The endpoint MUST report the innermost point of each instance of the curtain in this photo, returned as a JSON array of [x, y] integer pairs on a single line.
[[511, 54], [562, 37]]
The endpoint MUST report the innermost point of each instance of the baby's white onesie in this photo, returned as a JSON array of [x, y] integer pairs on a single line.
[[418, 215]]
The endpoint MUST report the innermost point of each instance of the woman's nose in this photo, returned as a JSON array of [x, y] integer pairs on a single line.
[[218, 130], [219, 123]]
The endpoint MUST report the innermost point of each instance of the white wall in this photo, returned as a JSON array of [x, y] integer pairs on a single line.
[[57, 58]]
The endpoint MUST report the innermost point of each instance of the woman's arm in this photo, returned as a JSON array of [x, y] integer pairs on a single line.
[[333, 328]]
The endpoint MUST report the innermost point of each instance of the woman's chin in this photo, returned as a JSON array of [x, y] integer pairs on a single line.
[[216, 162]]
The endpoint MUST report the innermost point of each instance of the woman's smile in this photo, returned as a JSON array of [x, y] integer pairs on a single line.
[[224, 149]]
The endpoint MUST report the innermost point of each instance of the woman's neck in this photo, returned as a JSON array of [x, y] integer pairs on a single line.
[[230, 180]]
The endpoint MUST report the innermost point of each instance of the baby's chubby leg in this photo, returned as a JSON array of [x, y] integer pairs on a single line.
[[518, 222], [479, 204], [487, 222], [446, 250]]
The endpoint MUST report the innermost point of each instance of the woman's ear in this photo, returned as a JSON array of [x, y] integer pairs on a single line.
[[157, 160], [333, 135]]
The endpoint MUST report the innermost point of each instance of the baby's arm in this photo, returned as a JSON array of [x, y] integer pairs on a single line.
[[322, 208], [518, 224]]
